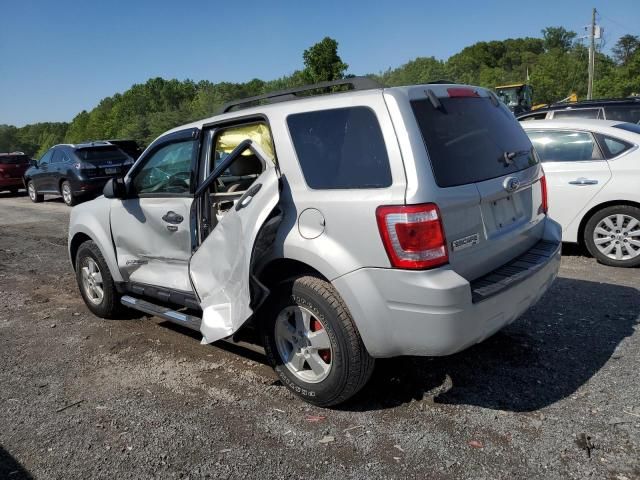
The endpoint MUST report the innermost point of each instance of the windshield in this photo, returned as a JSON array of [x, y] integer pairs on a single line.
[[471, 140], [509, 96], [629, 127]]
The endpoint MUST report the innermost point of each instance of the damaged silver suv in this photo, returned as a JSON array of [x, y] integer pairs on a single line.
[[335, 226]]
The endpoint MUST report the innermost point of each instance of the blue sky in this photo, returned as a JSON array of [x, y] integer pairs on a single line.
[[60, 57]]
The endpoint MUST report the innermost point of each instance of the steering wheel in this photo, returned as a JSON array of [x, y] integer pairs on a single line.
[[180, 179]]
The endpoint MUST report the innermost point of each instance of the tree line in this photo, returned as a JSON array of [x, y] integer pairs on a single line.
[[555, 63]]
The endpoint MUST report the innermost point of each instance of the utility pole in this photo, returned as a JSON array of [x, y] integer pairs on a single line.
[[592, 55]]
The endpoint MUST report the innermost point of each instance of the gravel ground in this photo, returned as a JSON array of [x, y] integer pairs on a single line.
[[555, 395]]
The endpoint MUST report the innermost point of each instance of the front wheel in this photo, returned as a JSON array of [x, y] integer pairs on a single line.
[[33, 193], [612, 236], [313, 344], [95, 282]]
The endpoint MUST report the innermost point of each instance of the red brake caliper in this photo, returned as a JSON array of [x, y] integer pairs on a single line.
[[325, 354]]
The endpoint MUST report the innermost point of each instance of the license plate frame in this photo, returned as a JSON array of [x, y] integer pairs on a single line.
[[111, 170]]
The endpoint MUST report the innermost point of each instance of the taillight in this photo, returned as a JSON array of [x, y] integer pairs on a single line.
[[543, 189], [413, 235], [462, 92]]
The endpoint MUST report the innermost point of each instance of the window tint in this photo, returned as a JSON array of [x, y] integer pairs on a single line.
[[564, 145], [168, 170], [578, 113], [340, 148], [100, 153], [625, 113], [629, 127], [46, 158], [468, 139]]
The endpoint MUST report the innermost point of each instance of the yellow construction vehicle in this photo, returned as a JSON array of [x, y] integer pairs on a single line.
[[570, 99], [518, 97]]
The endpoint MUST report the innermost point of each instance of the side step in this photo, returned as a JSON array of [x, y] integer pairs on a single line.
[[183, 319], [165, 313]]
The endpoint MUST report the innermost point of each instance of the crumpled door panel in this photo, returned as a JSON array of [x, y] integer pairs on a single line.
[[220, 268]]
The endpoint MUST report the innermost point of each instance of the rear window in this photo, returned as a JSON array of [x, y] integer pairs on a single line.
[[470, 140], [14, 160], [340, 148], [629, 127], [100, 153]]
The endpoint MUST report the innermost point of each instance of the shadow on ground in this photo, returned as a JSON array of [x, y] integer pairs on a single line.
[[10, 468], [543, 357]]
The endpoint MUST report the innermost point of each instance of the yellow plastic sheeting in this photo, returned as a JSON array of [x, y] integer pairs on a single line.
[[257, 132]]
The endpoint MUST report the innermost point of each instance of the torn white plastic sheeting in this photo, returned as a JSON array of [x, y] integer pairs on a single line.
[[220, 268]]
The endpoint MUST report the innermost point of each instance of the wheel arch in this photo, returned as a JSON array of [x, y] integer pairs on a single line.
[[74, 244], [593, 210], [279, 269]]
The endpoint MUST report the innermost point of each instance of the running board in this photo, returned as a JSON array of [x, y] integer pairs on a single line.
[[165, 313], [183, 319]]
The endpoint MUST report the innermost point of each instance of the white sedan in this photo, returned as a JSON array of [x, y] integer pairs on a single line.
[[592, 170]]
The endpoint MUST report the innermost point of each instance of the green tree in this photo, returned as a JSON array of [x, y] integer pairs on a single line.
[[558, 38], [625, 48], [322, 62]]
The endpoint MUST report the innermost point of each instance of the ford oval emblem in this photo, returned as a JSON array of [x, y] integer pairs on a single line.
[[511, 184]]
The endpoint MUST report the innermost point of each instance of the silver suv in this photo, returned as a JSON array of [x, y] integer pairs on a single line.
[[337, 228]]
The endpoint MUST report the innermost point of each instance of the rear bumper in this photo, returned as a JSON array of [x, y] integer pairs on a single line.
[[437, 312], [88, 186]]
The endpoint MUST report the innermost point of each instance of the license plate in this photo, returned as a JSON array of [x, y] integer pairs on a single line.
[[110, 171]]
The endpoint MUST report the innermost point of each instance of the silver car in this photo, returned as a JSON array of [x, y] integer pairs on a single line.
[[338, 228]]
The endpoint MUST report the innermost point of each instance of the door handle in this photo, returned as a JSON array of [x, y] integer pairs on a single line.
[[173, 217], [245, 200], [583, 181]]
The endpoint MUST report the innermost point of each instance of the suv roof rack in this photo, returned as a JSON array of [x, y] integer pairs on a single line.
[[356, 83]]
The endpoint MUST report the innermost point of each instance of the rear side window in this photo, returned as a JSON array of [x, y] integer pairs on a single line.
[[624, 113], [612, 147], [578, 113], [340, 148], [100, 153], [535, 116], [564, 145], [14, 160], [471, 140]]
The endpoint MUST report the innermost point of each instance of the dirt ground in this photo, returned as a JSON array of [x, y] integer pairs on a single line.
[[555, 395]]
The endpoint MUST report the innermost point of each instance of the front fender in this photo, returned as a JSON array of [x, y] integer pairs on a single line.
[[92, 219]]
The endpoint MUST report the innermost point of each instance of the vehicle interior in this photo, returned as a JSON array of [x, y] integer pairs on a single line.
[[238, 178]]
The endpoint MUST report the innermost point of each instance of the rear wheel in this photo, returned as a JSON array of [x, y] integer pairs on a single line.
[[67, 194], [33, 193], [95, 282], [612, 236], [313, 344]]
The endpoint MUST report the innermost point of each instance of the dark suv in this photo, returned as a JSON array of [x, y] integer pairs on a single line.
[[75, 171], [12, 167], [623, 109]]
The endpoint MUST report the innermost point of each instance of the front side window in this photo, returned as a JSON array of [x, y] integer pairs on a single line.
[[14, 160], [46, 158], [168, 170], [340, 148], [564, 145]]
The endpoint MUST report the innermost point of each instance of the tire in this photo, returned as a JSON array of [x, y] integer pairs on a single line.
[[33, 193], [67, 194], [349, 363], [108, 304], [612, 236]]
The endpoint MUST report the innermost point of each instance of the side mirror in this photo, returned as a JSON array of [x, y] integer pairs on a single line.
[[114, 188], [33, 163]]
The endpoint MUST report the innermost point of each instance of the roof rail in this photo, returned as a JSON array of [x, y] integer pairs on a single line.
[[356, 83]]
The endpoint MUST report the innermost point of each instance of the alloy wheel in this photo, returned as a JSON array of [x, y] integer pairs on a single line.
[[618, 236], [92, 281], [66, 193], [32, 191], [303, 344]]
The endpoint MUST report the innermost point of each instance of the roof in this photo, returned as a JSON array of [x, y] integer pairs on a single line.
[[12, 154], [598, 102]]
